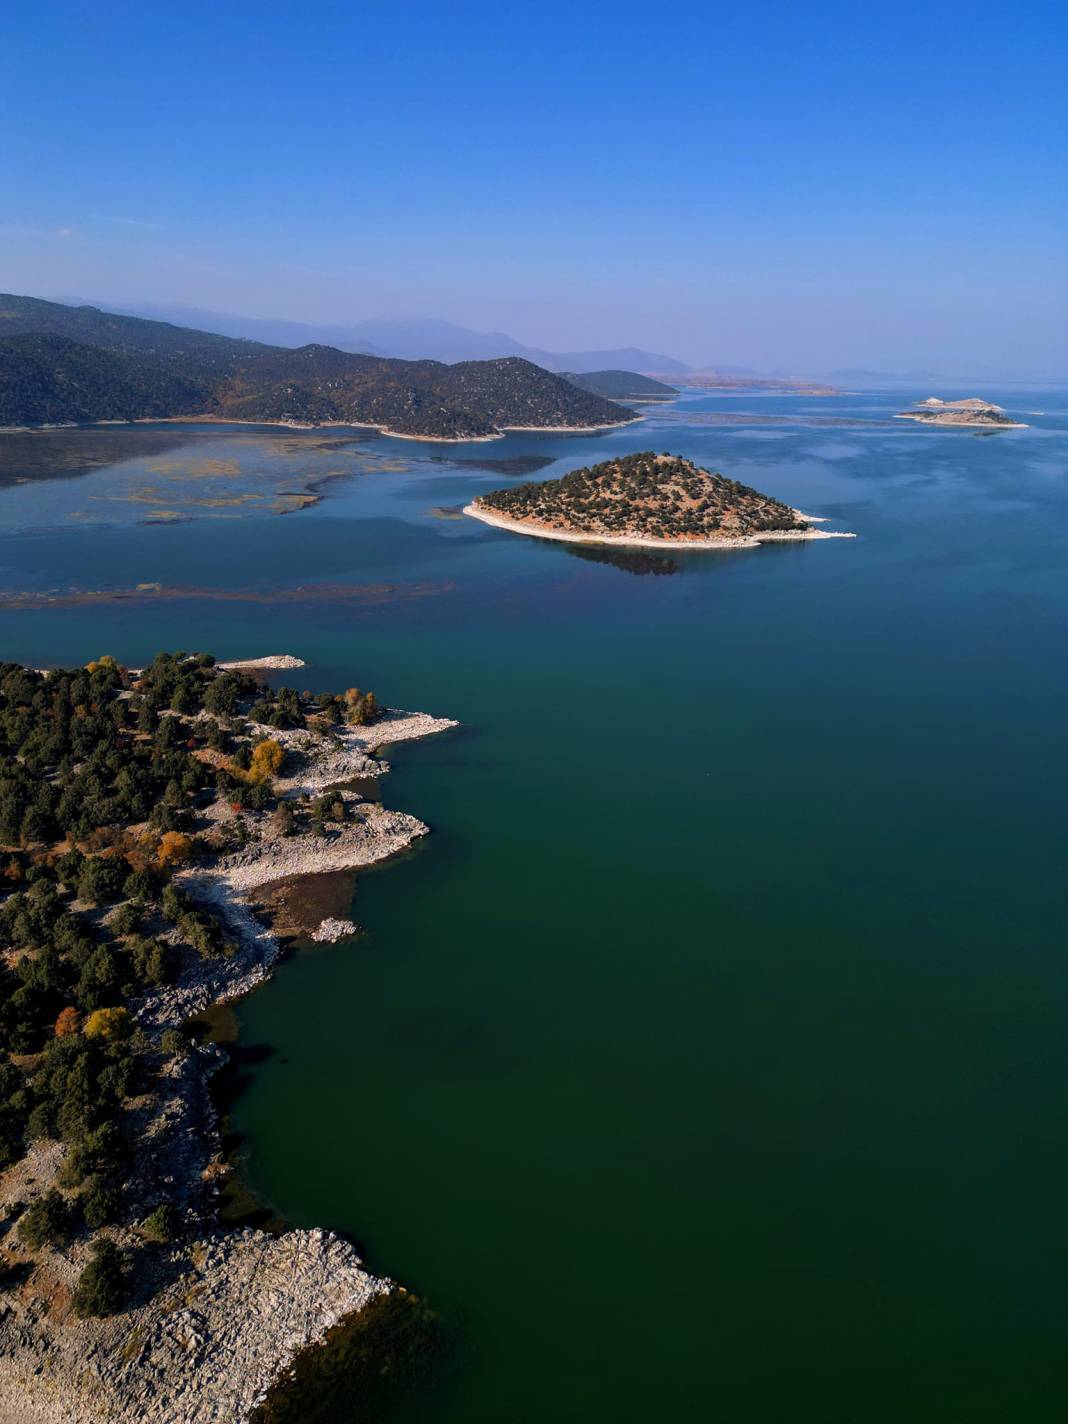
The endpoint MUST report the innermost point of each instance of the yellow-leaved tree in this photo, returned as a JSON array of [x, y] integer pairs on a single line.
[[111, 1024], [174, 849], [267, 758]]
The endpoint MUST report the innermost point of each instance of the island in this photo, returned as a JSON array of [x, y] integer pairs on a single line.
[[649, 501], [63, 365], [970, 413], [140, 812]]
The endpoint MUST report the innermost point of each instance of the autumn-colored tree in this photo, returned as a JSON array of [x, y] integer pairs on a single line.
[[13, 869], [267, 758], [110, 1024], [360, 707], [69, 1022], [174, 849]]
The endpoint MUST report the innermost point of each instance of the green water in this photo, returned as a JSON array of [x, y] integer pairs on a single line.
[[707, 1062]]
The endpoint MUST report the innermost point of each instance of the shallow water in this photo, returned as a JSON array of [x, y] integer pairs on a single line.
[[708, 1060]]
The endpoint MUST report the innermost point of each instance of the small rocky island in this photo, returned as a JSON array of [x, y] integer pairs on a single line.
[[140, 813], [971, 412], [648, 500]]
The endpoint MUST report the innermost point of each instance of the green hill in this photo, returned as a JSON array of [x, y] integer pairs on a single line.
[[644, 496], [620, 385], [61, 364]]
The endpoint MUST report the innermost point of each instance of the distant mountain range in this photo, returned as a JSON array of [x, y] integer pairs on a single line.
[[410, 338], [63, 364]]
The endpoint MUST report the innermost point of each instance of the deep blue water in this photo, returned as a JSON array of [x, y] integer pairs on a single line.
[[708, 1060]]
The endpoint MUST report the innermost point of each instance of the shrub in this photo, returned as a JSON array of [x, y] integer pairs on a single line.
[[162, 1224], [173, 1042], [175, 903], [101, 1288]]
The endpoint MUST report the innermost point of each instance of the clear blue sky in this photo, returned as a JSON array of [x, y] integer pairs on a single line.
[[782, 185]]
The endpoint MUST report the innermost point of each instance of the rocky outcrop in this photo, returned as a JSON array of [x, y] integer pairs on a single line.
[[331, 930], [233, 1312], [974, 411]]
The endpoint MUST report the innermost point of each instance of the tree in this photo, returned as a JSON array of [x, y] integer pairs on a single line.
[[101, 1202], [109, 1024], [101, 1288], [360, 707], [163, 1223], [140, 885], [101, 978], [48, 1222], [125, 919], [102, 879], [69, 1022], [174, 849], [267, 758]]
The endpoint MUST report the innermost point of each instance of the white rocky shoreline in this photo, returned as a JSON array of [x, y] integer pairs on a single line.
[[499, 433], [568, 536], [229, 1310]]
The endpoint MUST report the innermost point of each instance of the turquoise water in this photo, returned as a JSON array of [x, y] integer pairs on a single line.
[[707, 1061]]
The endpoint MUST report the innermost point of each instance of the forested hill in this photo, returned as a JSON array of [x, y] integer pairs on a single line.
[[62, 364], [645, 496], [621, 385]]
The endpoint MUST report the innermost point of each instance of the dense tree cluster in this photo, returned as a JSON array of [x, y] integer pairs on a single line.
[[103, 775], [646, 496]]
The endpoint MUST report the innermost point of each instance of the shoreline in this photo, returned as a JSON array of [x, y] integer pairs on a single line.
[[228, 1311], [498, 434], [921, 419], [565, 536]]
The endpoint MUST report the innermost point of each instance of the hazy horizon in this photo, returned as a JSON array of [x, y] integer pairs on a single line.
[[783, 191]]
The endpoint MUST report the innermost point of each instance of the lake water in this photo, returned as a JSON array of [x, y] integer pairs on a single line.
[[708, 1060]]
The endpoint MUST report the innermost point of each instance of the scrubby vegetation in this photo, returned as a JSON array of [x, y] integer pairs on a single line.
[[107, 780], [101, 1288], [645, 496]]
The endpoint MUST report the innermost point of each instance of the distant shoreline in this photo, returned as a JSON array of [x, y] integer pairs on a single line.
[[565, 536], [921, 418], [499, 433]]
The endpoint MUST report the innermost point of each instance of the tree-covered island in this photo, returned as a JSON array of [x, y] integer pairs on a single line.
[[645, 499]]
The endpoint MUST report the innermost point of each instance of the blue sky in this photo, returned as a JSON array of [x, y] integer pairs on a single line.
[[785, 186]]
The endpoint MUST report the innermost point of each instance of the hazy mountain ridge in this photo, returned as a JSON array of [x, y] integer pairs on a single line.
[[404, 338]]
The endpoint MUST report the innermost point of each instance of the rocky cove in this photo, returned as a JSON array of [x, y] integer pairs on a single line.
[[217, 1316]]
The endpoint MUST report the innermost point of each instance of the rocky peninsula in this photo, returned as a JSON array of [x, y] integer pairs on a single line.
[[648, 501], [180, 792], [972, 412]]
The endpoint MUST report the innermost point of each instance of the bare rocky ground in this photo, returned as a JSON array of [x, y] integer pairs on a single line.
[[217, 1316]]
